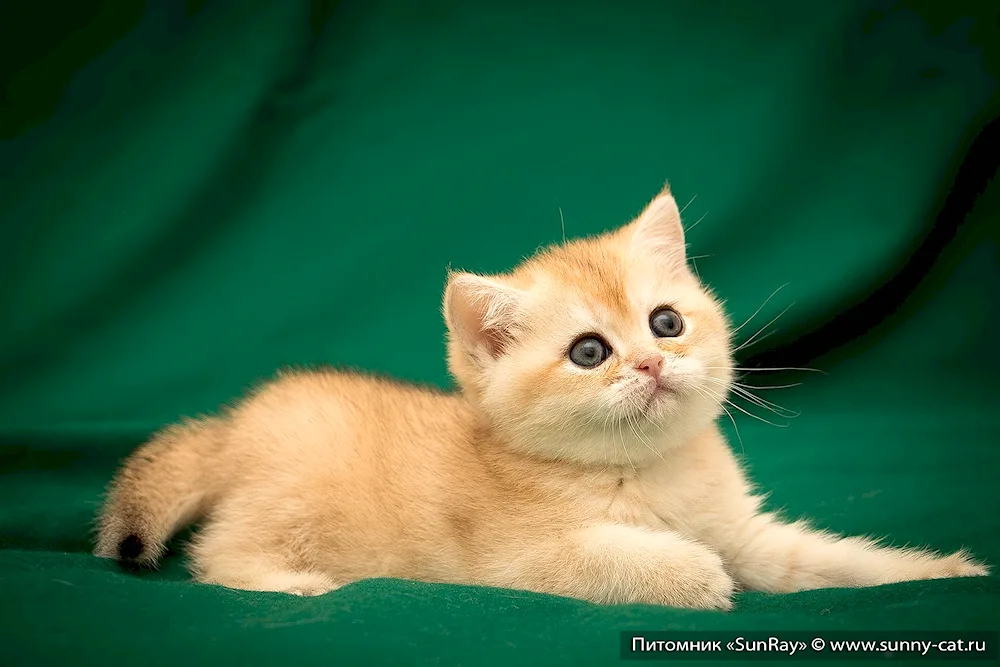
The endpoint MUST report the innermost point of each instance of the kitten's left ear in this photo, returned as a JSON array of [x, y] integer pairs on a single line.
[[658, 231]]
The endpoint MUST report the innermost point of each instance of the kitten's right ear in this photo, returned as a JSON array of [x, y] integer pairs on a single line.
[[481, 312]]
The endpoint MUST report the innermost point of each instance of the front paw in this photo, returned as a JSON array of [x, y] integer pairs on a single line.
[[906, 565], [703, 583], [959, 564]]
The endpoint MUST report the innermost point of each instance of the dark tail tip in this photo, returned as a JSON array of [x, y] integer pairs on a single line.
[[130, 548]]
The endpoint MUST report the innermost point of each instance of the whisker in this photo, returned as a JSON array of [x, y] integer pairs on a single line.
[[641, 438], [696, 223], [688, 204], [774, 369], [736, 428], [757, 417], [753, 342], [754, 337], [562, 223], [779, 410], [748, 414], [625, 448], [772, 386], [747, 321], [597, 475]]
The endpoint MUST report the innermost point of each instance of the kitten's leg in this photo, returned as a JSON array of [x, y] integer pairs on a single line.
[[253, 571], [259, 576], [611, 563], [765, 554], [227, 554], [710, 499]]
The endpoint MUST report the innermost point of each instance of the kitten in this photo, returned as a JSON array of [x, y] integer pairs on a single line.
[[581, 457]]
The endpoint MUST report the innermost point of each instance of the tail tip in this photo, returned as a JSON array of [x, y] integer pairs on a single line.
[[130, 548]]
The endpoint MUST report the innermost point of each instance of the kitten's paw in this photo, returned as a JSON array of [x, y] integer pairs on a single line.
[[308, 584], [959, 564], [311, 591], [703, 583], [923, 565], [303, 584]]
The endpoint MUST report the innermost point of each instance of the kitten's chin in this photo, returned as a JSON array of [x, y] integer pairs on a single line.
[[660, 399], [636, 430], [654, 404]]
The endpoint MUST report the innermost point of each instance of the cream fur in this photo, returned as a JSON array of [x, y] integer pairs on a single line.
[[537, 475]]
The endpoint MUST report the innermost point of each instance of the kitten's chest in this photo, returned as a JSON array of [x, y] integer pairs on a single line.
[[629, 500]]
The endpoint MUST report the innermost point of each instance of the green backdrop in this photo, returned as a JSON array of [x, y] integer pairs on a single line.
[[193, 194]]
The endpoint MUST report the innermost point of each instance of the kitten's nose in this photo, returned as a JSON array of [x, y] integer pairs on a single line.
[[651, 365]]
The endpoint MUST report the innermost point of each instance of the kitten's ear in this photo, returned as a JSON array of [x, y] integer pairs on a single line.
[[658, 231], [481, 312]]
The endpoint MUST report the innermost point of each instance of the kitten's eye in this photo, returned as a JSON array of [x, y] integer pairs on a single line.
[[589, 352], [666, 323]]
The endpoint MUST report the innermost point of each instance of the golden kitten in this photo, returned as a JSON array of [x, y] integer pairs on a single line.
[[580, 458]]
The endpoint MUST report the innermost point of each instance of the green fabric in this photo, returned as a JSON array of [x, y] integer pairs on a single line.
[[193, 194]]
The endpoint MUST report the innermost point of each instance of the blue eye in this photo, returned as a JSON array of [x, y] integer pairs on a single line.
[[589, 352], [666, 323]]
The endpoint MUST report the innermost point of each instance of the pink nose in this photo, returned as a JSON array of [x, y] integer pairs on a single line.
[[652, 365]]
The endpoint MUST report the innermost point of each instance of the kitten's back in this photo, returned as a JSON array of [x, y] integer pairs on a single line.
[[304, 434]]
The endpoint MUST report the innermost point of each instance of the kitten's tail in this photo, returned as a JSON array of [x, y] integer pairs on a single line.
[[162, 487]]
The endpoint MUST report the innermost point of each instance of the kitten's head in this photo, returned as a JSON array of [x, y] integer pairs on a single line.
[[602, 350]]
